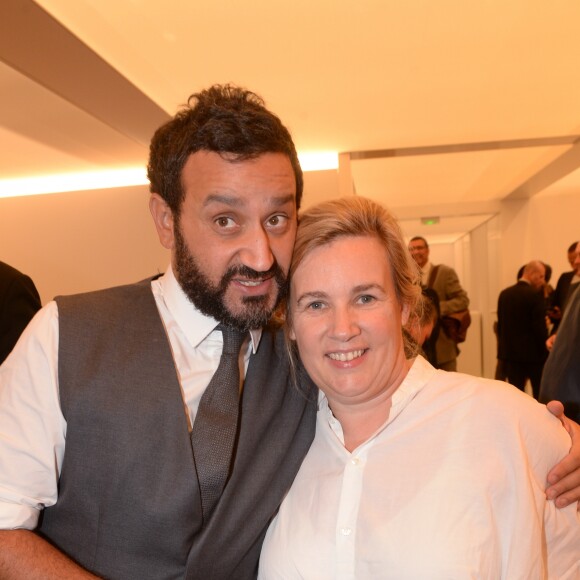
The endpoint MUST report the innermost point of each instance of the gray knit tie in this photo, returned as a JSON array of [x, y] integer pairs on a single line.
[[214, 429]]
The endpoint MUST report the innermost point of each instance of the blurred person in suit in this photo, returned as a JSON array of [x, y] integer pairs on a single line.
[[522, 330], [452, 298], [561, 376], [564, 287], [19, 302]]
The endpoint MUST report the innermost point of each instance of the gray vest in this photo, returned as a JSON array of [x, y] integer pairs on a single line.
[[129, 504]]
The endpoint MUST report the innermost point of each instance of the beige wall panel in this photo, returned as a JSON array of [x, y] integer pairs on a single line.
[[79, 241]]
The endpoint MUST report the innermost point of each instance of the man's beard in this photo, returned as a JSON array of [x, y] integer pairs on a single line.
[[208, 298]]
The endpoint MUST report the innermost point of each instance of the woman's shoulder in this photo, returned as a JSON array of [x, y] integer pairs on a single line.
[[499, 406]]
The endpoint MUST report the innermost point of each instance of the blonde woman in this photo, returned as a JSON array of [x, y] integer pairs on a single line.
[[414, 472]]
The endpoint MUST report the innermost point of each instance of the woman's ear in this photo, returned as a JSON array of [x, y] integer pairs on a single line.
[[163, 219], [405, 312]]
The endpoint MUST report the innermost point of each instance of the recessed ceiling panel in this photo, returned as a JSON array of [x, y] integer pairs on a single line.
[[343, 76], [567, 185], [449, 178], [350, 76], [46, 134]]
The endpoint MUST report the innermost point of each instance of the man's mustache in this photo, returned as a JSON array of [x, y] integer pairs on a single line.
[[251, 274]]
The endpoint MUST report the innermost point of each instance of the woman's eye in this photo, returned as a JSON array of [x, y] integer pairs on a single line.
[[367, 299]]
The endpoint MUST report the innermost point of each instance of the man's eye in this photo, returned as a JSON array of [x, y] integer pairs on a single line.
[[224, 222], [277, 220]]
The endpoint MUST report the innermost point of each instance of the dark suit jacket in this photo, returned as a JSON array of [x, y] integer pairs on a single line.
[[561, 294], [562, 287], [561, 377], [19, 302], [521, 325]]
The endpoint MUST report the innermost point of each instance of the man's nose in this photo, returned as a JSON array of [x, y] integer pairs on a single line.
[[256, 252]]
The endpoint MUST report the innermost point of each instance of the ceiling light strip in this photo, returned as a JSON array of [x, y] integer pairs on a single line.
[[83, 181], [73, 182]]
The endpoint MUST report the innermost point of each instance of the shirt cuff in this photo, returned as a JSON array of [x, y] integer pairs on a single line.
[[14, 516]]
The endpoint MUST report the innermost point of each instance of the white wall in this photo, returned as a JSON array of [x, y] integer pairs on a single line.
[[74, 242], [483, 284], [80, 241], [540, 228]]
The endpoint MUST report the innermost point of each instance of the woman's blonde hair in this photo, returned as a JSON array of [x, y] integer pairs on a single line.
[[356, 216]]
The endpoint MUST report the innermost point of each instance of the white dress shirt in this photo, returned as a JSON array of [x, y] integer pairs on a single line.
[[32, 428], [450, 487]]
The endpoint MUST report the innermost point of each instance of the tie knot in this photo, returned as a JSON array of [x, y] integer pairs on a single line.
[[233, 339]]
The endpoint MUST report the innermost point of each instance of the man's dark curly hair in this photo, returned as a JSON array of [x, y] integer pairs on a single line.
[[224, 119]]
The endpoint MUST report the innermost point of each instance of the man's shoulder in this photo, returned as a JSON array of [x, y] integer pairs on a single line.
[[565, 277], [8, 271], [115, 300], [445, 270], [10, 275], [125, 312], [526, 288], [516, 288], [522, 291], [106, 293], [446, 275]]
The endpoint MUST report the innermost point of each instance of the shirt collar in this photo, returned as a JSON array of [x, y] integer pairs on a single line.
[[420, 373], [195, 326]]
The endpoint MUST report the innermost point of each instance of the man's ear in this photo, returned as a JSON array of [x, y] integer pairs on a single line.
[[163, 219]]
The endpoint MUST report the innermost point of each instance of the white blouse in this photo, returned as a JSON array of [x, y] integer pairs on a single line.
[[451, 487]]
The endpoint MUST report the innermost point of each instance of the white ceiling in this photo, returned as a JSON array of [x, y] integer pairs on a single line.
[[445, 108]]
